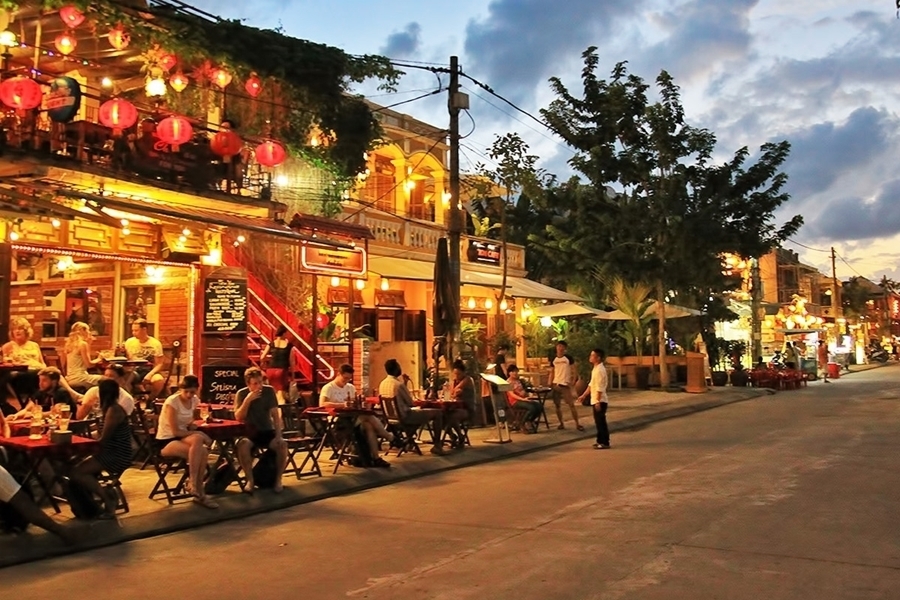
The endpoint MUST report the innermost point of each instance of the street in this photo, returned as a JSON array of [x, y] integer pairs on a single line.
[[786, 496]]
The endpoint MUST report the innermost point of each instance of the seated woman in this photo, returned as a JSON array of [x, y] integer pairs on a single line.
[[78, 357], [518, 398], [21, 350], [115, 448], [462, 389], [178, 436]]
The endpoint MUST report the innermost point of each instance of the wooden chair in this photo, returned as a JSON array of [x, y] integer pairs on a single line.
[[405, 436], [109, 480], [87, 428], [298, 443], [166, 467], [143, 430]]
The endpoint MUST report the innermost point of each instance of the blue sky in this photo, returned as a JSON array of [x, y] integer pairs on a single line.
[[824, 74]]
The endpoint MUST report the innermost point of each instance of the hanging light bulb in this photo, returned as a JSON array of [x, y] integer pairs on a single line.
[[504, 305], [126, 231], [186, 232], [65, 43], [241, 239], [179, 82], [14, 236], [55, 223], [156, 87], [335, 282], [471, 304], [489, 304], [106, 82], [360, 284], [221, 78], [385, 284]]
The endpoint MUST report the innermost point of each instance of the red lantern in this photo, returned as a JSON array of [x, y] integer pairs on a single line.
[[322, 321], [118, 114], [174, 131], [65, 43], [221, 78], [179, 81], [118, 38], [71, 16], [21, 93], [270, 154], [253, 86], [168, 61], [226, 144]]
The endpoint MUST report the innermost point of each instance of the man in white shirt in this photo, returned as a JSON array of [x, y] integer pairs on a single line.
[[143, 346], [92, 396], [562, 383], [599, 398], [336, 393]]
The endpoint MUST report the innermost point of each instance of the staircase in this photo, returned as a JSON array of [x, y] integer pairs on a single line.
[[267, 312]]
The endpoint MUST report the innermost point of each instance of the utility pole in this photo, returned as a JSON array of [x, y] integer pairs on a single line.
[[456, 102], [755, 307], [836, 307]]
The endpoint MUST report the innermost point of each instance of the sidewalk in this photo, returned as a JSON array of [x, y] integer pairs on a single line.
[[628, 410]]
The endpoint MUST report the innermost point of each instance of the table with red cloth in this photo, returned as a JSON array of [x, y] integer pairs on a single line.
[[334, 426], [224, 434], [35, 453]]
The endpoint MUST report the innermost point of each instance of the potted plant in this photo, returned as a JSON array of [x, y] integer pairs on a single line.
[[720, 351], [739, 376]]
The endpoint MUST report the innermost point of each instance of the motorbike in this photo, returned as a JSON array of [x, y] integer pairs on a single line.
[[877, 355]]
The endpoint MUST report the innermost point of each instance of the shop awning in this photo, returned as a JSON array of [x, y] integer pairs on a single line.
[[401, 268], [518, 287]]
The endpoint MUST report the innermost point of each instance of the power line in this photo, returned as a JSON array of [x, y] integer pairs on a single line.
[[490, 91], [808, 247], [390, 106]]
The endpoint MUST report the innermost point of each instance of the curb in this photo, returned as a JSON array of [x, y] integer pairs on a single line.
[[113, 533]]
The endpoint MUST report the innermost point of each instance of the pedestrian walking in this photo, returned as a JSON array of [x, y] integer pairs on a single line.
[[822, 359], [562, 383], [599, 398]]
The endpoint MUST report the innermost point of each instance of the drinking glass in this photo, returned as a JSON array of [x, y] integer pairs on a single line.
[[204, 411], [65, 414]]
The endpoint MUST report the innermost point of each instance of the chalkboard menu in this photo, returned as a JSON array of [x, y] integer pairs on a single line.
[[219, 383], [225, 306]]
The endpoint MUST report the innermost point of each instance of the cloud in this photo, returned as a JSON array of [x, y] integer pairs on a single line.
[[405, 43], [521, 43], [856, 218]]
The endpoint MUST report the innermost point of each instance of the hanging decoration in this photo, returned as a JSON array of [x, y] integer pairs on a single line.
[[64, 99], [21, 93], [253, 85], [175, 130], [168, 61], [221, 78], [71, 16], [118, 37], [226, 144], [156, 87], [179, 81], [65, 43], [118, 114], [270, 154], [322, 321]]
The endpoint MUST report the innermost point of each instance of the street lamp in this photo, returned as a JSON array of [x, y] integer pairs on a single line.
[[7, 41]]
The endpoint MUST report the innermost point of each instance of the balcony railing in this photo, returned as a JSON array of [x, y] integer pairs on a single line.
[[395, 232]]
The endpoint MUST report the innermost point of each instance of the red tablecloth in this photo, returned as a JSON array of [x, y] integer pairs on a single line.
[[79, 447], [451, 405], [222, 429], [333, 411]]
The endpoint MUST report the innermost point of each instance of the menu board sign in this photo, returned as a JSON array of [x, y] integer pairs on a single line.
[[219, 383], [327, 259], [225, 305]]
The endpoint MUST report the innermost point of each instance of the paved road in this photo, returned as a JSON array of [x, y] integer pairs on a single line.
[[791, 496]]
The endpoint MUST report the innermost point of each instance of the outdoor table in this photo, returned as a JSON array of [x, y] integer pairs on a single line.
[[23, 427], [328, 421], [541, 394], [37, 452], [447, 406], [224, 434]]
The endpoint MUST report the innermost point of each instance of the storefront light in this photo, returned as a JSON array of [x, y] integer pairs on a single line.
[[13, 235], [504, 305], [241, 239], [335, 282], [385, 284], [489, 304], [282, 180], [471, 304], [360, 284], [55, 223], [546, 321]]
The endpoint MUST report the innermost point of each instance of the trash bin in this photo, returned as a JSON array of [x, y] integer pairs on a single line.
[[834, 370]]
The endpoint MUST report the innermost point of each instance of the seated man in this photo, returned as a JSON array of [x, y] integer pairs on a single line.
[[518, 399], [257, 406], [337, 393], [143, 346], [49, 393], [394, 387], [92, 396]]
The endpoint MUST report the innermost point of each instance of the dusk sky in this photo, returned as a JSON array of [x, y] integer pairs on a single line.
[[821, 73]]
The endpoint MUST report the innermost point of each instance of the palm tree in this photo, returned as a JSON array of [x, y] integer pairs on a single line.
[[633, 299]]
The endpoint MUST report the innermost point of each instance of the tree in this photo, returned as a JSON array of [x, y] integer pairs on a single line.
[[652, 205], [633, 299]]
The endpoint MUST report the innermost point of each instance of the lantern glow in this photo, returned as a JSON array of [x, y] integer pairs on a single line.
[[253, 86], [118, 38], [21, 93], [270, 154], [174, 131], [221, 78], [65, 43], [118, 114], [179, 81], [71, 16]]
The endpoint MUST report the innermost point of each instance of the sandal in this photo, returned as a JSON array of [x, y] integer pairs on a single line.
[[205, 502], [579, 427]]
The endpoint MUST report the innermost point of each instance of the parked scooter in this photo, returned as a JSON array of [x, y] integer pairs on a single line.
[[877, 355]]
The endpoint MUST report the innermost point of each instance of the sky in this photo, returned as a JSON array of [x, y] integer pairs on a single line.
[[823, 74]]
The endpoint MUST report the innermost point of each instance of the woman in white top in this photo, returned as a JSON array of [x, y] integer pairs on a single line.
[[78, 357], [179, 438]]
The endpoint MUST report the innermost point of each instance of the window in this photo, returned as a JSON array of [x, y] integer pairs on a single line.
[[380, 189], [421, 197]]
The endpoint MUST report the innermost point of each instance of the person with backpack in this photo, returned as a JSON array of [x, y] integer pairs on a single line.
[[257, 406]]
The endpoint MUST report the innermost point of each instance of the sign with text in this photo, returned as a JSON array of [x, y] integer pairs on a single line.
[[219, 383], [483, 252], [338, 261], [225, 305]]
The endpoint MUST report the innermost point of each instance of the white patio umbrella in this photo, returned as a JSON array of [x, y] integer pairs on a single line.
[[673, 311], [566, 309]]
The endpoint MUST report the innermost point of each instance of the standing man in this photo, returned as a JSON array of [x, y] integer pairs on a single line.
[[562, 383], [822, 359], [143, 346], [599, 398]]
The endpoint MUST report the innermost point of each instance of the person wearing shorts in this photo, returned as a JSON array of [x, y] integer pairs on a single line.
[[143, 346], [562, 383], [257, 406]]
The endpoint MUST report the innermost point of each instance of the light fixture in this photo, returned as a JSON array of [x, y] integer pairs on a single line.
[[56, 223], [546, 321], [124, 222], [504, 305], [527, 313], [241, 239], [221, 78], [65, 43], [360, 284], [488, 304], [156, 87], [182, 239], [13, 235], [335, 282], [186, 232], [385, 284], [179, 82], [126, 231], [313, 140], [410, 185], [64, 263], [471, 303], [445, 198], [281, 180], [106, 82], [7, 39]]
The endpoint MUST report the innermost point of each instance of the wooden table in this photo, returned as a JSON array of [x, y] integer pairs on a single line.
[[330, 422], [224, 434], [542, 394], [37, 452]]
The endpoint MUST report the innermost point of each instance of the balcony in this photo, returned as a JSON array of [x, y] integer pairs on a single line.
[[395, 235]]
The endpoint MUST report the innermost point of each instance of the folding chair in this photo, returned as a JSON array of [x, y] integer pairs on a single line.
[[112, 480], [405, 436], [143, 431], [299, 443], [166, 467]]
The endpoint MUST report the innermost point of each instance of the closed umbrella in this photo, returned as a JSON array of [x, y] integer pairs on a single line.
[[446, 308]]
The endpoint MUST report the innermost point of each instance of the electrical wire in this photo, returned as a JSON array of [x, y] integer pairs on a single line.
[[490, 91], [469, 114], [808, 247], [402, 102]]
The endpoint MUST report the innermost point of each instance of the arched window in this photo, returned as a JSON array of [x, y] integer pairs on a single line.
[[380, 190]]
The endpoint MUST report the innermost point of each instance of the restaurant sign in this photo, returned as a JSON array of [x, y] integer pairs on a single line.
[[351, 262], [483, 252], [219, 383], [225, 305]]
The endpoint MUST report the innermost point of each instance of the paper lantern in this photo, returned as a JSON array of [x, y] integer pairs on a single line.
[[65, 43], [270, 154], [322, 321], [168, 61], [21, 93], [179, 81], [71, 16], [221, 78], [118, 114], [174, 131], [253, 86], [118, 38], [226, 143]]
